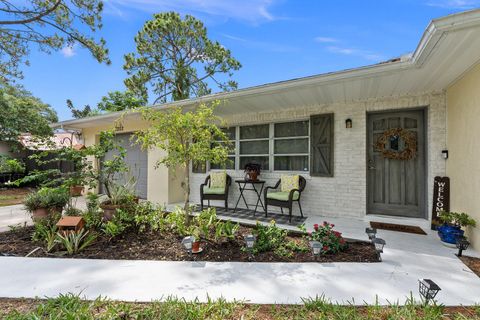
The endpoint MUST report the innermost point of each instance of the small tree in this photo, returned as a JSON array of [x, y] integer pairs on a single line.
[[186, 137]]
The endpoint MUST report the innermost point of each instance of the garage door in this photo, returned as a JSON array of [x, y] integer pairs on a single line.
[[136, 160]]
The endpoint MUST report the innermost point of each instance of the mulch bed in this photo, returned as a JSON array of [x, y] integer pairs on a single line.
[[165, 246], [472, 263], [397, 227]]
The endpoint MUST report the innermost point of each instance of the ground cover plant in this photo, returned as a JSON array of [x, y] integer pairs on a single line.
[[71, 306]]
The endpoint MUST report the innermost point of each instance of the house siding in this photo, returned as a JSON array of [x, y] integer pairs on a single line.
[[345, 194]]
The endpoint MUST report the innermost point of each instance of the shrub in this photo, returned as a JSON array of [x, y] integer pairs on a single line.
[[227, 230], [47, 234], [46, 198], [93, 215], [457, 219], [331, 240], [75, 242], [149, 216], [269, 238], [10, 165], [113, 228]]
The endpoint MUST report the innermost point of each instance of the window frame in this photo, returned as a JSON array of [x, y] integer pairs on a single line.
[[271, 147]]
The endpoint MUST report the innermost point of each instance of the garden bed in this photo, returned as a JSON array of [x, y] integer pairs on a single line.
[[148, 245], [472, 263], [12, 196]]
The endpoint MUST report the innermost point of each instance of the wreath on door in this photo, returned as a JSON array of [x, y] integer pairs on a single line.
[[409, 139]]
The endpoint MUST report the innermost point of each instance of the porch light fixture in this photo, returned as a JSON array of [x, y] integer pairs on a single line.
[[316, 248], [371, 232], [462, 244], [428, 289], [445, 154], [250, 242], [348, 123], [379, 244]]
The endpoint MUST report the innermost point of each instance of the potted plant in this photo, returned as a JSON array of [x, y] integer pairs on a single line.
[[451, 229], [44, 202], [252, 171]]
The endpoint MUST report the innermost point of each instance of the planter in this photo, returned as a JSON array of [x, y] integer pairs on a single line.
[[450, 234], [40, 213], [109, 211], [196, 246], [76, 191]]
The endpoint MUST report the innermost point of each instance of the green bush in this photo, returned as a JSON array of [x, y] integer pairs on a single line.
[[46, 198], [331, 240], [457, 219], [46, 233], [269, 238], [74, 242], [10, 165]]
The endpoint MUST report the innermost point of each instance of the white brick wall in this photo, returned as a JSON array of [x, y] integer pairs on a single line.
[[344, 194]]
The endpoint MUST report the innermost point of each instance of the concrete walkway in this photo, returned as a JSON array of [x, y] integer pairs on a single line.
[[407, 258]]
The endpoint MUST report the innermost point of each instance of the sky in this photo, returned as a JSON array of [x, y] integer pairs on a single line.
[[274, 40]]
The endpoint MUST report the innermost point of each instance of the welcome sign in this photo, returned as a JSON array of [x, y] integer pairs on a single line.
[[441, 199]]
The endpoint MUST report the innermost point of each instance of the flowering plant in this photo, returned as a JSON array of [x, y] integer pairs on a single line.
[[331, 240]]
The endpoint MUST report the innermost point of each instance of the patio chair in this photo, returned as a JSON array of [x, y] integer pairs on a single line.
[[215, 187], [290, 191]]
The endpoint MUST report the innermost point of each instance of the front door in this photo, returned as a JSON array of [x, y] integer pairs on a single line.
[[396, 163]]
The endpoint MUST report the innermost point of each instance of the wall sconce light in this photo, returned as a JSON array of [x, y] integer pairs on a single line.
[[348, 123], [445, 154], [118, 126]]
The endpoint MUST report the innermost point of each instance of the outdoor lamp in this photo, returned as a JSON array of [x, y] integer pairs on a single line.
[[316, 248], [250, 241], [188, 242], [445, 154], [379, 244], [348, 123], [371, 232], [462, 244], [428, 289]]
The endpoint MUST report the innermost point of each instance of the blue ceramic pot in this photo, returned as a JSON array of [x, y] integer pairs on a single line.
[[450, 234]]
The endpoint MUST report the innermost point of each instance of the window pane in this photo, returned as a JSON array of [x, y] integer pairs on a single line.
[[230, 164], [287, 146], [254, 132], [262, 161], [291, 163], [291, 129], [199, 167], [254, 147], [230, 132]]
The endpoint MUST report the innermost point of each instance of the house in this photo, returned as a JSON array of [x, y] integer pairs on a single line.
[[369, 141]]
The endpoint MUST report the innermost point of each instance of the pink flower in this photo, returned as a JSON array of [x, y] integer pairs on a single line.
[[315, 226], [332, 225]]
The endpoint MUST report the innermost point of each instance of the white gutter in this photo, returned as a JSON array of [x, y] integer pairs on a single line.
[[430, 39]]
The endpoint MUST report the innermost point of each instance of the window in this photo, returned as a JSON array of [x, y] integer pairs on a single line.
[[255, 145], [290, 146], [230, 164]]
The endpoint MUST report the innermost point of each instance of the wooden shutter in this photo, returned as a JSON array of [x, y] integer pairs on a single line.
[[321, 145]]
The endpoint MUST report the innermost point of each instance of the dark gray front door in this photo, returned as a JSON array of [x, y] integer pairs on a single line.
[[396, 187]]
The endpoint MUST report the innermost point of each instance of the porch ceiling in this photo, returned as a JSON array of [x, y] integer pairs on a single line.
[[449, 47]]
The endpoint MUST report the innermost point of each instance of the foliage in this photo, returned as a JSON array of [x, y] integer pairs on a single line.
[[149, 216], [72, 211], [121, 193], [46, 198], [74, 242], [457, 219], [186, 137], [93, 215], [176, 58], [72, 306], [113, 228], [47, 233], [21, 112], [120, 101], [50, 25], [78, 113], [10, 165], [227, 230], [269, 238], [331, 240]]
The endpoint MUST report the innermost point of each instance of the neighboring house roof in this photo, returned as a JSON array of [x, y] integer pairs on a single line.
[[449, 47], [57, 141]]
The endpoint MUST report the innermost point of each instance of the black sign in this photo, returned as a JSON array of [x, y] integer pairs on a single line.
[[441, 199]]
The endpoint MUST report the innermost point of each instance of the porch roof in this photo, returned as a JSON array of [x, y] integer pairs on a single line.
[[449, 47]]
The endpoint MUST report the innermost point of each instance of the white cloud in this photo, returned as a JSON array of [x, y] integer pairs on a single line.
[[455, 4], [253, 11], [365, 54], [69, 51], [325, 40]]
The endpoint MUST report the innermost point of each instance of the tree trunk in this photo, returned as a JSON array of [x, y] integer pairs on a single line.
[[186, 188]]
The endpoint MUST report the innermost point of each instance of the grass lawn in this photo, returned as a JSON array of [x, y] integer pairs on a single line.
[[72, 307], [9, 197]]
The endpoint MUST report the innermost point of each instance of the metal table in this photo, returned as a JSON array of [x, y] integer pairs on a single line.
[[242, 185]]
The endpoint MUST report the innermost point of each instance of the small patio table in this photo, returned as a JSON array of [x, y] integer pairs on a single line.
[[242, 185]]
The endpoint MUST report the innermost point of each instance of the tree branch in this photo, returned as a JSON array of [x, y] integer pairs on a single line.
[[34, 18]]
